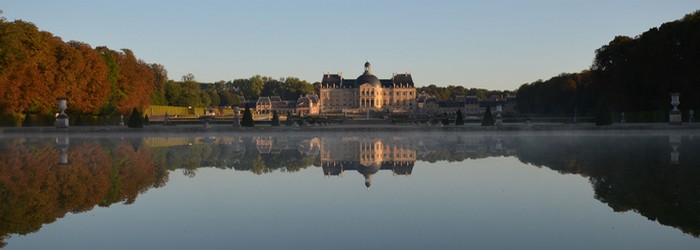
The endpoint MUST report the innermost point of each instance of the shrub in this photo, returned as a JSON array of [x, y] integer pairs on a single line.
[[247, 120], [459, 120], [135, 120], [488, 118], [603, 117], [275, 119]]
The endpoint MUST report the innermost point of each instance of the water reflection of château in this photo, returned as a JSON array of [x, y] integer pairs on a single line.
[[655, 175], [367, 155]]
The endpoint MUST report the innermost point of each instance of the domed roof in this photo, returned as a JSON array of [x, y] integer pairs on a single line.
[[368, 171], [367, 77]]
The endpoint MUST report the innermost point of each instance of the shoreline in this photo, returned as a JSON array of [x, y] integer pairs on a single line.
[[342, 128]]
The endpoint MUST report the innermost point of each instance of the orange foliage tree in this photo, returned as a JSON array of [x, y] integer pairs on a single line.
[[37, 67], [35, 189]]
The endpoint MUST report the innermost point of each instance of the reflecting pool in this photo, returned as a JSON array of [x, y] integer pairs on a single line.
[[583, 190]]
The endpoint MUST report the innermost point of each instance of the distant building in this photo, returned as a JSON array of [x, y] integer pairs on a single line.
[[367, 93], [263, 105], [308, 105], [507, 103], [304, 106]]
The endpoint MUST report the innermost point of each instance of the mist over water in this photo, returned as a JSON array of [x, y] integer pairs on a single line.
[[352, 190]]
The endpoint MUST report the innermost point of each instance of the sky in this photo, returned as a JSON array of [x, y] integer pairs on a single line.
[[492, 44]]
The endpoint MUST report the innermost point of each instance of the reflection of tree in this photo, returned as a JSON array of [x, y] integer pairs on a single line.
[[35, 189], [239, 154], [629, 173]]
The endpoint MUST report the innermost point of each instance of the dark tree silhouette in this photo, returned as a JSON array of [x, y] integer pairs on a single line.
[[135, 119], [289, 121], [603, 117], [247, 120], [459, 120], [27, 122], [275, 119], [488, 118], [78, 121]]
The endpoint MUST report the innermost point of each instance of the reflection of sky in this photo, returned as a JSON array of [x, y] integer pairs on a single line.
[[485, 203]]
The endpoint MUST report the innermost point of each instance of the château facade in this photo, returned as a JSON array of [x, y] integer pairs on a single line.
[[367, 94]]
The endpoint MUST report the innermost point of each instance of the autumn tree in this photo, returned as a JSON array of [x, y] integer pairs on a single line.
[[27, 69]]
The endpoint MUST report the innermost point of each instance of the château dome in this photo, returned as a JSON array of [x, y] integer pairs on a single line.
[[367, 77]]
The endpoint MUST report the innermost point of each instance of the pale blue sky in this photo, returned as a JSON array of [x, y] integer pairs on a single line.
[[494, 44]]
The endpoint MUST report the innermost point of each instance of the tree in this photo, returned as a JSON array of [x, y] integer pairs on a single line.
[[603, 117], [446, 119], [27, 122], [247, 120], [161, 78], [275, 119], [488, 118], [78, 121], [215, 98], [226, 98], [205, 98], [289, 121], [135, 119], [459, 120], [188, 78]]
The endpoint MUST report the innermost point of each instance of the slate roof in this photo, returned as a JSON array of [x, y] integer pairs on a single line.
[[336, 80]]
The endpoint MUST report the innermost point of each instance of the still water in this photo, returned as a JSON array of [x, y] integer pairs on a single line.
[[587, 190]]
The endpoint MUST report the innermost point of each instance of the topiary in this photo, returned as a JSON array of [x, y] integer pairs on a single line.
[[247, 120], [135, 120], [459, 120], [603, 117], [27, 122], [289, 121], [275, 119], [488, 118]]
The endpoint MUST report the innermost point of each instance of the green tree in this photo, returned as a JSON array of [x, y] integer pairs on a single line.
[[275, 119], [135, 119], [247, 120], [227, 98], [161, 77], [459, 120], [215, 98], [205, 98], [488, 118]]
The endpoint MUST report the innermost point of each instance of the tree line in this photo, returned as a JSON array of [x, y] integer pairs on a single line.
[[630, 74], [189, 92], [37, 67], [450, 92]]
